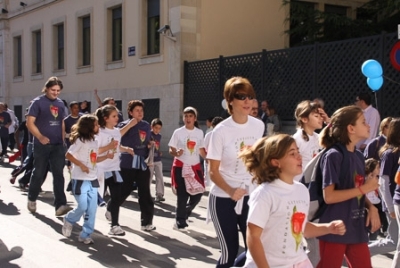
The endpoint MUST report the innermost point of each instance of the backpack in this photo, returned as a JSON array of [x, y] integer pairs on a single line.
[[312, 179]]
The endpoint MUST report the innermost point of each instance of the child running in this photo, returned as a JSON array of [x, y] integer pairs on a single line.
[[308, 120], [109, 139], [345, 197], [278, 207], [83, 156], [157, 167]]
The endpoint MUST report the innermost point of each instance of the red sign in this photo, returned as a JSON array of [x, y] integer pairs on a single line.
[[395, 56]]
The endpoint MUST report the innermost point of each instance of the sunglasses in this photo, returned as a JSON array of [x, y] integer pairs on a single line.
[[239, 96]]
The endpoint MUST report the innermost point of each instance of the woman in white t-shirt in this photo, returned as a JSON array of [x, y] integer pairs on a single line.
[[279, 206], [187, 145], [232, 183], [308, 120]]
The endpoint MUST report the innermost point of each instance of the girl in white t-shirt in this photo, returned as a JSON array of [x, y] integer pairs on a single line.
[[278, 207], [308, 119], [109, 139], [83, 154], [187, 145]]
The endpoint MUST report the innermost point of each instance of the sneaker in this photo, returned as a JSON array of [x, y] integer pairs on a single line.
[[87, 241], [102, 204], [148, 228], [67, 228], [116, 230], [178, 227], [12, 180], [108, 215], [62, 210], [32, 206], [159, 198]]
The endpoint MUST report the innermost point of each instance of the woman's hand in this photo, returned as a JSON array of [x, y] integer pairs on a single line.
[[237, 193]]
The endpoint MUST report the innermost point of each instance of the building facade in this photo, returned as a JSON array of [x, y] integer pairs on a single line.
[[129, 49]]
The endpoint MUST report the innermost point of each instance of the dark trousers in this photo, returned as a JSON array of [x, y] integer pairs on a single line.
[[226, 223], [114, 204], [185, 203], [142, 179], [55, 156], [11, 141], [4, 144]]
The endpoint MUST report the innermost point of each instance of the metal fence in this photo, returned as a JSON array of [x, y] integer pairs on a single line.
[[331, 71]]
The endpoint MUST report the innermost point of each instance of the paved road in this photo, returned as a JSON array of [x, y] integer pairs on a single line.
[[28, 240]]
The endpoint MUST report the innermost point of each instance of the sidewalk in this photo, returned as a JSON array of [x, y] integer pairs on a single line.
[[32, 241]]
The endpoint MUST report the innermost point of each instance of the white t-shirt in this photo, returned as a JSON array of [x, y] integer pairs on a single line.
[[207, 139], [281, 210], [85, 152], [104, 138], [308, 149], [227, 140], [190, 141]]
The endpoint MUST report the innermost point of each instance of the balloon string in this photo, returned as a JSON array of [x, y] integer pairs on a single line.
[[376, 101], [391, 80]]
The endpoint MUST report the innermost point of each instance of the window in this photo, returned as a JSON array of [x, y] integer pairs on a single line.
[[17, 56], [153, 24], [116, 36], [37, 52], [338, 10], [86, 48], [60, 46]]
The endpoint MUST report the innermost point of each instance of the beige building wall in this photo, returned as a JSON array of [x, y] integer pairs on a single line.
[[202, 29]]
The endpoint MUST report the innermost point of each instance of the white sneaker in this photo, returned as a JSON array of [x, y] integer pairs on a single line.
[[67, 228], [32, 206], [148, 228], [116, 230], [108, 215], [86, 241]]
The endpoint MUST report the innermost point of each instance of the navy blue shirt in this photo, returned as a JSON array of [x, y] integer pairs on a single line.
[[69, 121], [49, 116], [138, 138], [5, 119], [157, 139]]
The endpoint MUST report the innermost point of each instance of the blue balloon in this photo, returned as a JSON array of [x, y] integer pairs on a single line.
[[371, 69], [375, 83]]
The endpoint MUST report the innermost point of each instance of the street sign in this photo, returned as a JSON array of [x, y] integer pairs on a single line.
[[395, 56]]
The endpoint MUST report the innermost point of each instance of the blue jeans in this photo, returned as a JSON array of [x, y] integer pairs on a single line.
[[54, 155], [87, 207]]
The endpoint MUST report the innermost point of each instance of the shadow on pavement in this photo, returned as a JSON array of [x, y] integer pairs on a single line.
[[8, 209], [8, 255]]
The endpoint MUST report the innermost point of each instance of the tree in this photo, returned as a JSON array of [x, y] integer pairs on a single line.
[[309, 25]]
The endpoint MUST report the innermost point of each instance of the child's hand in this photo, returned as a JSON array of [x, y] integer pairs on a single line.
[[84, 168], [110, 155], [237, 193], [371, 185], [324, 116], [337, 227], [129, 150]]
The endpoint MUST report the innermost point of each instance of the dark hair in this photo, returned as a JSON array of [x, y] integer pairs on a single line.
[[104, 112], [83, 129], [366, 97], [156, 121], [303, 110], [336, 130], [210, 118], [52, 81], [192, 110], [393, 137], [132, 104], [234, 85], [257, 159], [216, 120], [106, 100], [72, 103], [370, 165]]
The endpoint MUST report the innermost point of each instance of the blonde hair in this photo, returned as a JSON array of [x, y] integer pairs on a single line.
[[257, 159]]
